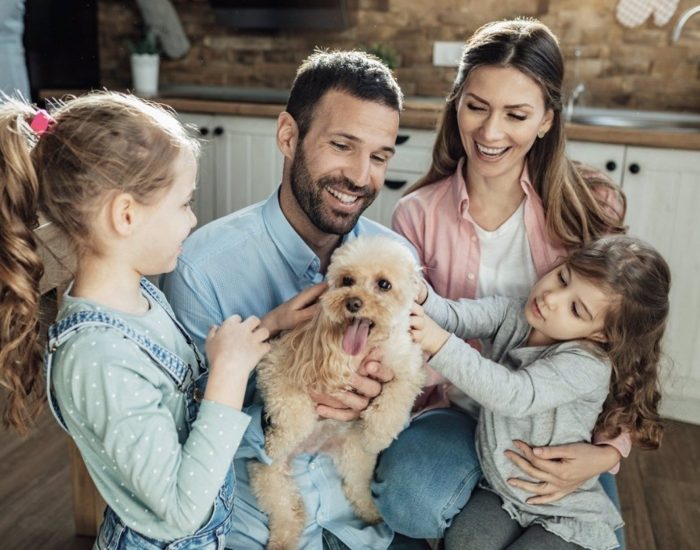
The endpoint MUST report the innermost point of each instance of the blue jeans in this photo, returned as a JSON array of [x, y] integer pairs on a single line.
[[427, 475]]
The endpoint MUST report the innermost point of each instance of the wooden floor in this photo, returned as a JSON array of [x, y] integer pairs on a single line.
[[660, 492]]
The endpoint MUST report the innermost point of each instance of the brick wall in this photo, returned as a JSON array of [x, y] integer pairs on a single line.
[[622, 67]]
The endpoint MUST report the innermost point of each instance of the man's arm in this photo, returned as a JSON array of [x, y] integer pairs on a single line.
[[193, 300]]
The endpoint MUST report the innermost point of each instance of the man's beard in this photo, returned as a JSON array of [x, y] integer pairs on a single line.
[[309, 194]]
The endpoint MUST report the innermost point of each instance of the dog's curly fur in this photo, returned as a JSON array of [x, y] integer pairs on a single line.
[[373, 278]]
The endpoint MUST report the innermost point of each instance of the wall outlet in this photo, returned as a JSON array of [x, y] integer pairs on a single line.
[[447, 54]]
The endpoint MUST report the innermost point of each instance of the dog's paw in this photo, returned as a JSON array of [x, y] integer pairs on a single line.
[[368, 513]]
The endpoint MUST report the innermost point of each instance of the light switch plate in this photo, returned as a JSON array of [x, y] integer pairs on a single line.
[[447, 54]]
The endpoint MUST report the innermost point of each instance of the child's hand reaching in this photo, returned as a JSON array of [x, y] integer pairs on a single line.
[[233, 348], [422, 293], [427, 332], [297, 310]]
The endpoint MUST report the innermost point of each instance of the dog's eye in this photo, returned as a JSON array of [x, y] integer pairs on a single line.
[[384, 285], [348, 281]]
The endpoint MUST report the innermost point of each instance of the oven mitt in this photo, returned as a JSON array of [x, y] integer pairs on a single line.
[[161, 19], [632, 13]]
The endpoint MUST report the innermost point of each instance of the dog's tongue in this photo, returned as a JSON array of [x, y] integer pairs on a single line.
[[355, 336]]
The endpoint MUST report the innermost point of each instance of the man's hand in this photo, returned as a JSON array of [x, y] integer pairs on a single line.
[[363, 386], [561, 469], [294, 311]]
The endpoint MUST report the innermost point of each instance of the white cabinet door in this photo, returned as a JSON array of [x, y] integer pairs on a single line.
[[395, 185], [663, 196], [205, 196], [608, 158], [249, 164], [409, 163]]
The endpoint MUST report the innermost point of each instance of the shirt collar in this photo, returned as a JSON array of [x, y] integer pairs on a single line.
[[459, 187], [301, 259], [298, 255]]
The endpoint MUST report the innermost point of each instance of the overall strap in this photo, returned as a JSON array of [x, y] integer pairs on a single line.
[[154, 293], [67, 327], [173, 365]]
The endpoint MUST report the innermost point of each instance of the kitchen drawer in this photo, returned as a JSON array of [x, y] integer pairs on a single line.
[[414, 150]]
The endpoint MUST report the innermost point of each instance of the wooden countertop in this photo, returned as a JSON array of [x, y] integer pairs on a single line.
[[423, 114]]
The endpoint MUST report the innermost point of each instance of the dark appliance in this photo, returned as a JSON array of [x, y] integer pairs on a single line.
[[60, 41], [283, 14]]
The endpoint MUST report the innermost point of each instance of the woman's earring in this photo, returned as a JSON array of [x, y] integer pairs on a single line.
[[541, 133]]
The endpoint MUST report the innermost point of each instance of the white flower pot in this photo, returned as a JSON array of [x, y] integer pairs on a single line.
[[144, 72]]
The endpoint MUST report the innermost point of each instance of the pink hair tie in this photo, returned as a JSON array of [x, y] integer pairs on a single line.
[[41, 122]]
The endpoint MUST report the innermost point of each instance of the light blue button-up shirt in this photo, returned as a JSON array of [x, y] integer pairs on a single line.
[[248, 263]]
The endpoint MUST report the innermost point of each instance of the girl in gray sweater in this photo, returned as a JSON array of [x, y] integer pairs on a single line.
[[587, 339]]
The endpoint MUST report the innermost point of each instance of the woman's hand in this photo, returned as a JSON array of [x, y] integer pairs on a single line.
[[294, 311], [560, 469], [426, 332], [364, 385]]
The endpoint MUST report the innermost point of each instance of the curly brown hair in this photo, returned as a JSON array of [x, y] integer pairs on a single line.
[[99, 144], [576, 211], [637, 274]]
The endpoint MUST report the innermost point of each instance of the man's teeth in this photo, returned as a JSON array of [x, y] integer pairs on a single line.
[[492, 151], [342, 197]]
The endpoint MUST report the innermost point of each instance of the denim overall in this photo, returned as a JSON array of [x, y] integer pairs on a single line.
[[114, 534]]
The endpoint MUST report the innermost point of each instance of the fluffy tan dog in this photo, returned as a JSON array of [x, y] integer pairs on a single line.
[[372, 284]]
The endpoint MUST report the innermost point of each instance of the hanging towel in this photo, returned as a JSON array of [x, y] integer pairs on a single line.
[[161, 19], [632, 13], [664, 10]]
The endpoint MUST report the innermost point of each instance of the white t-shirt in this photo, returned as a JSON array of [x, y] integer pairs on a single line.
[[506, 269]]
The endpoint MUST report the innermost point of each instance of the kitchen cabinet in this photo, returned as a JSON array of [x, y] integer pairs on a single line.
[[663, 201], [410, 162], [239, 165], [606, 157]]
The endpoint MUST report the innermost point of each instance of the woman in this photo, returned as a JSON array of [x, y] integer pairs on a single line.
[[498, 207]]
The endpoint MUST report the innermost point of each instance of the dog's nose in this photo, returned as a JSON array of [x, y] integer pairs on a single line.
[[353, 304]]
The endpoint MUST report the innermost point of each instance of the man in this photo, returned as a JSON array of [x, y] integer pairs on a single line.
[[337, 136]]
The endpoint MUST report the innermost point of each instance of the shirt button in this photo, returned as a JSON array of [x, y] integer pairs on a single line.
[[312, 467], [473, 238], [470, 276]]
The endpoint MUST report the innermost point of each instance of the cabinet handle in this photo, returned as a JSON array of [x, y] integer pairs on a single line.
[[402, 138], [218, 131], [203, 131], [395, 184], [634, 168], [611, 166]]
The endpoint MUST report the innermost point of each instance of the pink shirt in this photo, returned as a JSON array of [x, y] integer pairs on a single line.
[[436, 220]]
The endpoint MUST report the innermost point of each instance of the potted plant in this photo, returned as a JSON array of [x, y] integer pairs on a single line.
[[145, 64]]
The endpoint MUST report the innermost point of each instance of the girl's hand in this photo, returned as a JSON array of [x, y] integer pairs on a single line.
[[426, 332], [234, 349], [561, 469], [297, 310], [422, 292]]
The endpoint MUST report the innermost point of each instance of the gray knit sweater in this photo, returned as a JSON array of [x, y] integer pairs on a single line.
[[545, 395]]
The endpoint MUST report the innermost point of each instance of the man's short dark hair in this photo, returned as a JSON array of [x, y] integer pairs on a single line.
[[356, 73]]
